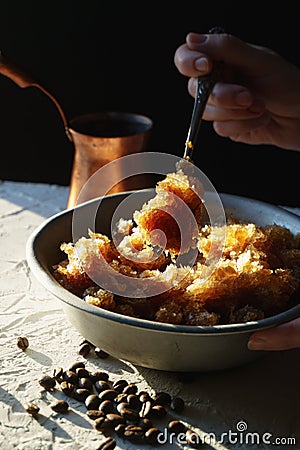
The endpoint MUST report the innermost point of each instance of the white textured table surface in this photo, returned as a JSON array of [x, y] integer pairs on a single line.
[[263, 396]]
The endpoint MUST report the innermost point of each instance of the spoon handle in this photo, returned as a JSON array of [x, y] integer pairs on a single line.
[[205, 85]]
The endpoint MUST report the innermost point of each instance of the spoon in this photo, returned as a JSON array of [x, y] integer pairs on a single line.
[[9, 69], [205, 85]]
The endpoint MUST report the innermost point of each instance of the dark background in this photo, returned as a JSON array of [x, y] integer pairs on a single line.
[[118, 56]]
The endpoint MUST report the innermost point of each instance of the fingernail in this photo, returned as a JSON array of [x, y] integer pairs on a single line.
[[197, 38], [243, 98], [256, 344], [201, 65]]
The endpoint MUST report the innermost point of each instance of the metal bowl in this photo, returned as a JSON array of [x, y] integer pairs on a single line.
[[143, 342]]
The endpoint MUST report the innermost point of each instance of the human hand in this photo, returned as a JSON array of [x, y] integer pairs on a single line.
[[282, 337], [257, 100]]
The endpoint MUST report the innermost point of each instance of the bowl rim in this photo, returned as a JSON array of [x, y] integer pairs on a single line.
[[52, 285]]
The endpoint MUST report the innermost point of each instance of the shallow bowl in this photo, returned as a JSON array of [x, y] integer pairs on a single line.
[[142, 342]]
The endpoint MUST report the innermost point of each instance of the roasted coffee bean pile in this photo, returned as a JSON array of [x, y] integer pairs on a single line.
[[117, 407]]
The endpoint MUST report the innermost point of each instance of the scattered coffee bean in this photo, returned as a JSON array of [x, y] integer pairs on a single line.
[[76, 365], [145, 423], [157, 412], [134, 402], [92, 401], [84, 349], [107, 406], [81, 372], [151, 435], [119, 385], [47, 382], [85, 383], [100, 353], [60, 406], [120, 429], [22, 343], [177, 404], [99, 375], [108, 394], [121, 398], [146, 408], [129, 414], [176, 426], [101, 386], [57, 373], [94, 414], [193, 439], [130, 389], [80, 394], [102, 423], [108, 444], [67, 388], [144, 397], [32, 409], [115, 419], [162, 398], [134, 434], [70, 377]]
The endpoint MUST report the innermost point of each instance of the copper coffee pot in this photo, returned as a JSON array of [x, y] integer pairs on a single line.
[[97, 138]]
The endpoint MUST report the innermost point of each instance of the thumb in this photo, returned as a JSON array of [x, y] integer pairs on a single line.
[[282, 337]]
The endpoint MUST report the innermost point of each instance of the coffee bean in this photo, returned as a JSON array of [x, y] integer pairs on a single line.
[[101, 386], [84, 349], [107, 406], [22, 343], [115, 419], [81, 372], [145, 423], [108, 394], [108, 444], [57, 373], [121, 398], [162, 398], [59, 406], [76, 366], [130, 389], [85, 383], [119, 385], [157, 412], [120, 429], [128, 413], [176, 426], [70, 377], [67, 388], [80, 394], [146, 408], [144, 397], [92, 401], [99, 375], [134, 434], [47, 382], [177, 404], [32, 409], [151, 435], [102, 423], [100, 353], [94, 414], [193, 439], [134, 402]]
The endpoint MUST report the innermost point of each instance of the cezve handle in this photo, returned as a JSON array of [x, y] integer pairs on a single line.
[[11, 70]]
